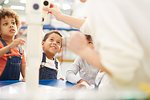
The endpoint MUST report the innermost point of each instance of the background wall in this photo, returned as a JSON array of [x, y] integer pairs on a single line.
[[69, 7]]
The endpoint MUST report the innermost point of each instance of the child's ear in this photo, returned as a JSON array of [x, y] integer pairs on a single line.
[[60, 50], [42, 42]]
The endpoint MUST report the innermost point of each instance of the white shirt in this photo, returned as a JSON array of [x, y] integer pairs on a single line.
[[121, 29], [85, 70]]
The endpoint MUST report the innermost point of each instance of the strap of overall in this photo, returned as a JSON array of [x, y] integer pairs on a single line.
[[4, 43], [44, 61], [44, 58], [56, 63], [96, 86]]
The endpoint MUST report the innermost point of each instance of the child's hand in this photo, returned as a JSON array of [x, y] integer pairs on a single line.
[[61, 78], [23, 79], [78, 86], [16, 42], [81, 80]]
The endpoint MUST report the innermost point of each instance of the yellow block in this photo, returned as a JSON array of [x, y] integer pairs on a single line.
[[146, 88]]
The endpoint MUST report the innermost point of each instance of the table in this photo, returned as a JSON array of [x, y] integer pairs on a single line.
[[51, 82]]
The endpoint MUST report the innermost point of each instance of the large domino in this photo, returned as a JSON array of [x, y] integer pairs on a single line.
[[34, 39], [46, 4]]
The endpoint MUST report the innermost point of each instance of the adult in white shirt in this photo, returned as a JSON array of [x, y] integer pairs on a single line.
[[122, 34]]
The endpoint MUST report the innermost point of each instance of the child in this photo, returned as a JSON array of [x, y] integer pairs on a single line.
[[86, 71], [52, 44], [12, 59]]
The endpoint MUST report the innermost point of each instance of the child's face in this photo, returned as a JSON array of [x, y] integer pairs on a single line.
[[90, 44], [8, 27], [53, 44]]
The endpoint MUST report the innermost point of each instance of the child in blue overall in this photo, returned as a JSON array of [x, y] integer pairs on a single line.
[[50, 67], [12, 59]]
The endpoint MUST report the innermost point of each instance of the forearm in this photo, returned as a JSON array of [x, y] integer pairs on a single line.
[[72, 21], [4, 50]]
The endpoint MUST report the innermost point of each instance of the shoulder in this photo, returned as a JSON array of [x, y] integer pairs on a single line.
[[78, 59], [56, 61]]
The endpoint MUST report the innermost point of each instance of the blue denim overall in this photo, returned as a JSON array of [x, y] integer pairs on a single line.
[[13, 66], [47, 73]]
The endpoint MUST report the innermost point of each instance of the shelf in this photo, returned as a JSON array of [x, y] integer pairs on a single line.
[[49, 27]]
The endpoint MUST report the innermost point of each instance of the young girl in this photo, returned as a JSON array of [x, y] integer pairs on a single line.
[[86, 71], [12, 59], [52, 44]]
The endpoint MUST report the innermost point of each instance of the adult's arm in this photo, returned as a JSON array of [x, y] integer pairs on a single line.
[[67, 19]]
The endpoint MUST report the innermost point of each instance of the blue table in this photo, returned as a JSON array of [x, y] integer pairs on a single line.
[[50, 82], [56, 83], [5, 83]]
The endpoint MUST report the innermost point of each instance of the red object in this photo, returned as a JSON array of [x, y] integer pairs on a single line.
[[49, 12], [23, 23], [51, 6]]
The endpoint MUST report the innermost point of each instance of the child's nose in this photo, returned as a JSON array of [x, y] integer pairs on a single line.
[[11, 25], [54, 42]]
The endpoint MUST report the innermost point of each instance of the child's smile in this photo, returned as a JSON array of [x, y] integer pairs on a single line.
[[53, 44]]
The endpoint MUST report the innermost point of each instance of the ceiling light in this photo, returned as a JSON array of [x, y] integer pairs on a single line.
[[6, 1], [17, 7], [22, 1]]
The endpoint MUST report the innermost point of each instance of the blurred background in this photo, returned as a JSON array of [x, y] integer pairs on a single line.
[[69, 7]]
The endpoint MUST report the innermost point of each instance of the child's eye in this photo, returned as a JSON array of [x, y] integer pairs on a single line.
[[5, 24], [58, 42], [13, 23], [51, 39], [90, 42]]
